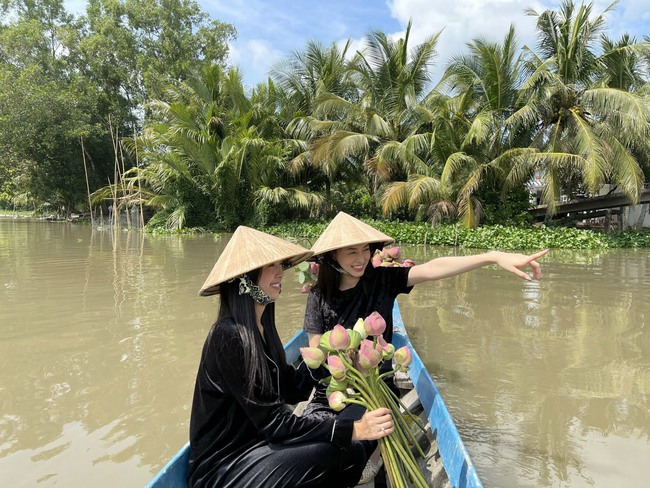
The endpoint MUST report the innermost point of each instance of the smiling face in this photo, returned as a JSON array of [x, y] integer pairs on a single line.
[[353, 259], [270, 280]]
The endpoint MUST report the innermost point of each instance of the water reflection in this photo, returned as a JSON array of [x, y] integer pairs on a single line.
[[90, 326], [544, 365], [101, 335]]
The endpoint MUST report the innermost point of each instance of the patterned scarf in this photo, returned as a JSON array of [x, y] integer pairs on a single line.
[[247, 287]]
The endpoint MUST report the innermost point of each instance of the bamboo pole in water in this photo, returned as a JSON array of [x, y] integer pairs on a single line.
[[137, 165], [124, 189], [116, 212], [83, 155]]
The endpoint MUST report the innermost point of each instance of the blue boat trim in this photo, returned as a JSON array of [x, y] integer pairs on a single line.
[[174, 474], [455, 458]]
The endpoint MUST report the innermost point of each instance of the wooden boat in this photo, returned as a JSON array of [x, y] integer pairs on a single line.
[[447, 462]]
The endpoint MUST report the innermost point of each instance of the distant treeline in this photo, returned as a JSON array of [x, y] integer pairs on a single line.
[[139, 97]]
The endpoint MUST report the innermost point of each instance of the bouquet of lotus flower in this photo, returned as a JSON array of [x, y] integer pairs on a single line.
[[354, 358]]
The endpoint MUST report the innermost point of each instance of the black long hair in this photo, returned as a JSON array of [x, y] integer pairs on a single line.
[[242, 309], [329, 279]]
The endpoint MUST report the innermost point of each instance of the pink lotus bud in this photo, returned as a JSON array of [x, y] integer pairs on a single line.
[[407, 263], [358, 367], [374, 324], [386, 264], [337, 401], [313, 268], [403, 357], [336, 367], [305, 289], [368, 357], [312, 356], [387, 350], [360, 328], [339, 338], [394, 252], [376, 260], [366, 344]]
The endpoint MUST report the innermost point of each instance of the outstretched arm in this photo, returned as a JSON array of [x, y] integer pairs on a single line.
[[454, 265]]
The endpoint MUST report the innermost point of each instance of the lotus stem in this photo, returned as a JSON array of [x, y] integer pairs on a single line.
[[404, 407], [410, 464]]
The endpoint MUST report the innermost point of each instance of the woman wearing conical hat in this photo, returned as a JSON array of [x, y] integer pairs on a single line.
[[241, 432], [349, 287]]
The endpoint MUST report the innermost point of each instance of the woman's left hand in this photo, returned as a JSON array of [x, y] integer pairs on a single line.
[[513, 261]]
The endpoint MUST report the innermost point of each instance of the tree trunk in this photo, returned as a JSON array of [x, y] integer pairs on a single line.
[[644, 212], [328, 197], [625, 217]]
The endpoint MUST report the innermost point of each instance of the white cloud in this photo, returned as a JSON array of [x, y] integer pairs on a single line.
[[463, 20], [254, 57], [460, 21], [271, 29]]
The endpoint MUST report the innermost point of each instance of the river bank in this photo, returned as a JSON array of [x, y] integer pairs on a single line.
[[452, 235], [485, 237]]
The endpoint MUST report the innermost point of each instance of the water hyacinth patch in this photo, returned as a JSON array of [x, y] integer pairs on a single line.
[[354, 359]]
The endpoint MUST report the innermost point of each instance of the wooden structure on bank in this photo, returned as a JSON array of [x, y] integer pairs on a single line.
[[590, 208]]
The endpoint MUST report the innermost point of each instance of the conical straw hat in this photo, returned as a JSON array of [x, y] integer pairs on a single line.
[[247, 250], [346, 231]]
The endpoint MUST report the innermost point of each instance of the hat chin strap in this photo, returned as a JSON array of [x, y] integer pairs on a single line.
[[247, 287]]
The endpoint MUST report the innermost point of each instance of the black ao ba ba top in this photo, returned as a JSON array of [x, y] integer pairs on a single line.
[[237, 440]]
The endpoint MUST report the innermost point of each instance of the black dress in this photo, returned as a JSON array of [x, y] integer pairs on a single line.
[[239, 441]]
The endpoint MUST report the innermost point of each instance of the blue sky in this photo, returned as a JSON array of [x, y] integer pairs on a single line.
[[269, 30]]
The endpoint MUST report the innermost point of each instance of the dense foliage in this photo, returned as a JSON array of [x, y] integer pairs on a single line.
[[71, 87], [484, 237], [144, 88]]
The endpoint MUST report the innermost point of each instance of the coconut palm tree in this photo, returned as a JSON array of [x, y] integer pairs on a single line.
[[584, 130], [624, 63], [376, 135], [473, 146], [276, 187], [305, 77], [181, 147], [212, 150], [306, 74]]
